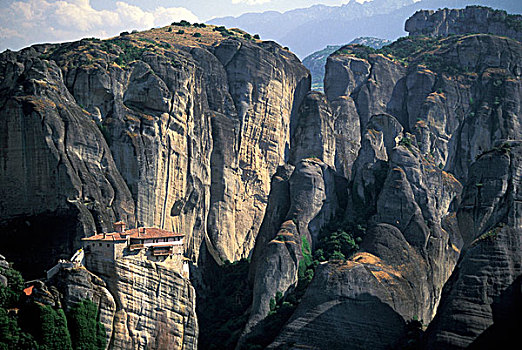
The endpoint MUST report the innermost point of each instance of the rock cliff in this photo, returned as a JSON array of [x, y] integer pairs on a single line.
[[481, 302], [472, 19], [304, 198], [427, 108], [405, 257], [154, 128], [142, 305], [159, 128], [412, 156], [449, 95]]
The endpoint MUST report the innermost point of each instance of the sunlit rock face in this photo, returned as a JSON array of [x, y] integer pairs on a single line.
[[185, 138]]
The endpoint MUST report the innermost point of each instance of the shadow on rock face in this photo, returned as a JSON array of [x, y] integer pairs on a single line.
[[507, 318], [35, 243], [345, 323]]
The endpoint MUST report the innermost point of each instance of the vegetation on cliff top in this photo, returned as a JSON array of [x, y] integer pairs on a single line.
[[129, 47], [28, 324], [414, 50]]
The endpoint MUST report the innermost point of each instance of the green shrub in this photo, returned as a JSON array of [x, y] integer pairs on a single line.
[[256, 36], [181, 31], [224, 31], [338, 240], [12, 337], [106, 133], [10, 295], [53, 329], [406, 141], [130, 52], [87, 333], [181, 23], [196, 35]]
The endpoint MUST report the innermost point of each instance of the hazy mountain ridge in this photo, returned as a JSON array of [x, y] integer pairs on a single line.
[[336, 25]]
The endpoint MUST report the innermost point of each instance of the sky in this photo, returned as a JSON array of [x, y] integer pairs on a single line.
[[26, 22]]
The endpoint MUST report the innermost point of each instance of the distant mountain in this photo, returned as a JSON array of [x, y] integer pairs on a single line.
[[316, 61], [322, 25]]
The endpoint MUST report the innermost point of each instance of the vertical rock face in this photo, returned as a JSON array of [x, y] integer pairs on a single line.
[[156, 307], [187, 137], [416, 121], [220, 139], [406, 256], [56, 166], [142, 305], [267, 86], [181, 134], [472, 19], [358, 89], [481, 296], [302, 201], [314, 133], [449, 105]]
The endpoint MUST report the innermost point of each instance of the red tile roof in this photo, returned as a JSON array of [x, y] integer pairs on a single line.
[[151, 232], [108, 237], [144, 233]]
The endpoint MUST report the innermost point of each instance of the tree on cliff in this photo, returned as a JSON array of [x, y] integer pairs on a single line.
[[54, 332], [87, 333]]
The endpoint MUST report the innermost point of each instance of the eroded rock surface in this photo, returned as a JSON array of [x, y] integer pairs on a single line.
[[405, 258], [481, 296], [142, 305], [303, 200], [472, 19], [182, 137]]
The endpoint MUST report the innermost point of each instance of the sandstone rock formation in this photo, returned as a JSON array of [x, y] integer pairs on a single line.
[[303, 200], [472, 19], [142, 305], [182, 137], [406, 256], [421, 124], [219, 138], [181, 134], [57, 169], [483, 293], [314, 133], [447, 97], [267, 85]]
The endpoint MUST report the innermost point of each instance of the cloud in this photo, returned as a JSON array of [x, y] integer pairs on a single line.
[[26, 22], [250, 2]]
